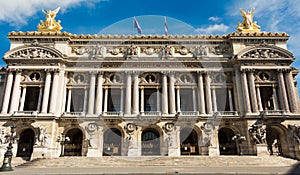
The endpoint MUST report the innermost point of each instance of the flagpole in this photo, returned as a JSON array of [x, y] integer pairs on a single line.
[[166, 27], [133, 26]]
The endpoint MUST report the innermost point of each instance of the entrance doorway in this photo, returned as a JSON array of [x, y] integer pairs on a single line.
[[25, 144], [226, 144], [189, 142], [112, 142], [150, 143], [276, 141], [73, 147]]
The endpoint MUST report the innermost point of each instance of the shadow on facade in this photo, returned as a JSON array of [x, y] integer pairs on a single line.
[[295, 170]]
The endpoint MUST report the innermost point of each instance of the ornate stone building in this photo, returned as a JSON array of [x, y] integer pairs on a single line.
[[84, 95]]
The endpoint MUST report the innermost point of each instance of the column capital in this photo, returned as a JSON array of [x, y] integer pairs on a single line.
[[99, 73], [167, 72], [48, 70], [17, 70], [55, 70], [207, 73], [93, 72], [105, 87], [246, 70], [129, 72], [284, 70], [142, 87], [200, 72]]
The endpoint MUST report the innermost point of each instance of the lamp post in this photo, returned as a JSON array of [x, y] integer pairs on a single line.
[[6, 166], [238, 140], [62, 140]]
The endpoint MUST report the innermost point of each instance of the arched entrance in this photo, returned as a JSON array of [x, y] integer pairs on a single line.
[[150, 142], [276, 141], [73, 146], [189, 142], [112, 142], [25, 144], [226, 144]]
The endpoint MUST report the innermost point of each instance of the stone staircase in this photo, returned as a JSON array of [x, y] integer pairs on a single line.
[[186, 161]]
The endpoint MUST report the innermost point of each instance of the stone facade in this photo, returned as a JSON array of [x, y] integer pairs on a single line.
[[150, 95]]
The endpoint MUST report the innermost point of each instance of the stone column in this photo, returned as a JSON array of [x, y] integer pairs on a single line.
[[135, 107], [15, 97], [290, 87], [23, 99], [283, 99], [230, 99], [85, 99], [122, 100], [69, 99], [53, 100], [128, 94], [142, 100], [64, 99], [252, 92], [208, 94], [40, 99], [6, 97], [92, 94], [201, 99], [275, 98], [178, 99], [260, 107], [194, 99], [240, 105], [46, 92], [214, 99], [245, 92], [157, 99], [105, 99], [99, 97], [172, 94], [164, 94]]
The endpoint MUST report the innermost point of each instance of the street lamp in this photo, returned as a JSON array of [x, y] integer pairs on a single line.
[[6, 166], [62, 140], [238, 140]]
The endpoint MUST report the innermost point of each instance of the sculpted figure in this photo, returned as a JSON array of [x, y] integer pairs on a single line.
[[50, 24], [248, 24], [42, 136]]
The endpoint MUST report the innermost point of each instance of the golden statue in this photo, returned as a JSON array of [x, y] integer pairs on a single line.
[[50, 24], [248, 25]]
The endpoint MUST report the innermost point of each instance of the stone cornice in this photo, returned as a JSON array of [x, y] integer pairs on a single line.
[[209, 37]]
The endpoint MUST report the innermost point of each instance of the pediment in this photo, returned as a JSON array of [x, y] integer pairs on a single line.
[[33, 52], [261, 52]]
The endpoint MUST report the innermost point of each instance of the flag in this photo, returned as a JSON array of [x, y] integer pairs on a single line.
[[166, 27], [137, 26]]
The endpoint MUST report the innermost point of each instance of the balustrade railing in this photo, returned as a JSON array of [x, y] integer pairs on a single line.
[[73, 114]]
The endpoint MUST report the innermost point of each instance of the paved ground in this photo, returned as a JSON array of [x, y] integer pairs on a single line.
[[156, 170], [159, 165]]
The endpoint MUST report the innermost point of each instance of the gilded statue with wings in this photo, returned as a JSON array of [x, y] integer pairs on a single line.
[[248, 25], [50, 24]]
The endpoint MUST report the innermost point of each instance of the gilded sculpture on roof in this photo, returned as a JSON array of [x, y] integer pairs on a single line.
[[50, 24], [248, 25]]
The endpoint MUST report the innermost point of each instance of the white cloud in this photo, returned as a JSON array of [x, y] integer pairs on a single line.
[[212, 28], [214, 18], [17, 12]]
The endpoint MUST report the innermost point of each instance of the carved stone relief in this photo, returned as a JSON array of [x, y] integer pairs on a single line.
[[263, 53], [33, 52], [258, 134]]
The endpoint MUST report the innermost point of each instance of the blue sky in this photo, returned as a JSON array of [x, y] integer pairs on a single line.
[[188, 16]]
